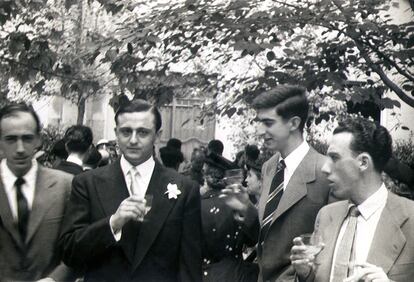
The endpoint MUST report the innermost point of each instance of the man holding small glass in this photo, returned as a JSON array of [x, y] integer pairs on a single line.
[[134, 220], [369, 236]]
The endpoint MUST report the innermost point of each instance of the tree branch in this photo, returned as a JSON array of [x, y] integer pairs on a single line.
[[387, 81]]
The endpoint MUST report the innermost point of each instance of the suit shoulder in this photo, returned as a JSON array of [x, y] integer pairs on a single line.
[[333, 207], [55, 173]]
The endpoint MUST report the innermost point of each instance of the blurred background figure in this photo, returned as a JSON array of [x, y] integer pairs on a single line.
[[78, 139], [171, 155], [92, 159], [249, 155], [195, 168], [253, 181], [215, 146], [223, 238], [58, 152]]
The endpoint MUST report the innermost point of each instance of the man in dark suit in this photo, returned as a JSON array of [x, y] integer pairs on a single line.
[[107, 231], [369, 236], [78, 140], [293, 189], [32, 202]]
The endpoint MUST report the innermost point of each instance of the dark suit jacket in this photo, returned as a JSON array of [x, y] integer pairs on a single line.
[[38, 256], [306, 192], [392, 247], [69, 167], [165, 247]]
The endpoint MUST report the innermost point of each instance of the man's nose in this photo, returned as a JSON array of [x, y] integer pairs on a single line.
[[326, 168], [261, 129], [19, 146], [133, 139]]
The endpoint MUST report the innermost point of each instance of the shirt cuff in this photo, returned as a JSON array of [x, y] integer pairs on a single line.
[[116, 233]]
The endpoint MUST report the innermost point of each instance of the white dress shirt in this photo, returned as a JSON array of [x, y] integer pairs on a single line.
[[370, 210], [293, 160], [73, 158], [28, 188], [143, 178]]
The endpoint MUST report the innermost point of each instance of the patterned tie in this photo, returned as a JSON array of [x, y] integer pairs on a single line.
[[346, 247], [275, 194], [22, 209]]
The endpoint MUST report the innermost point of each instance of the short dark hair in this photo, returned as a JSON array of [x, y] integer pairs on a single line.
[[171, 157], [92, 157], [289, 100], [139, 105], [174, 143], [12, 108], [252, 152], [78, 138], [368, 137], [59, 150], [216, 146]]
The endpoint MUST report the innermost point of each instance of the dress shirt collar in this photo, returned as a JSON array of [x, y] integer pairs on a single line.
[[9, 178], [144, 169], [293, 160], [374, 202], [73, 158]]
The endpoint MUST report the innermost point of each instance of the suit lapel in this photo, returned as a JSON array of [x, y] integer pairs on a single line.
[[388, 240], [7, 217], [269, 170], [296, 188], [44, 198], [156, 217], [329, 235], [111, 188]]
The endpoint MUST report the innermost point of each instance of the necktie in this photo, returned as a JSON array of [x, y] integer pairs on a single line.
[[22, 209], [133, 173], [346, 248], [275, 194]]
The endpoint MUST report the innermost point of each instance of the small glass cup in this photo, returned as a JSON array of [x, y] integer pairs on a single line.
[[233, 178], [313, 243]]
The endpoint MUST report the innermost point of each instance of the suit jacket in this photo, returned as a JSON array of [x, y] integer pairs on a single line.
[[305, 194], [69, 167], [38, 256], [165, 247], [392, 247]]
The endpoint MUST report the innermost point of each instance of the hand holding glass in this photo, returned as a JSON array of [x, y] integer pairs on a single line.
[[313, 243]]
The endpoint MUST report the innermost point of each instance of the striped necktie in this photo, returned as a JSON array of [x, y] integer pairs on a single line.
[[275, 194]]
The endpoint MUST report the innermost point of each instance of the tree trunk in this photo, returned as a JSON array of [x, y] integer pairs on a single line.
[[81, 111]]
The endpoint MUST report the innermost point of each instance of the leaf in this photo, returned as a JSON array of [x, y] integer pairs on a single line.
[[270, 56], [230, 112], [130, 48]]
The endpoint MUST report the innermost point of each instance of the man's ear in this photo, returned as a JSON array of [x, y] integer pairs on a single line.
[[295, 123], [365, 161], [158, 136]]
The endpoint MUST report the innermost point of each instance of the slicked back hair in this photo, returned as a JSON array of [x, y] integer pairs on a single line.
[[139, 105], [368, 137], [13, 108], [289, 100], [78, 138]]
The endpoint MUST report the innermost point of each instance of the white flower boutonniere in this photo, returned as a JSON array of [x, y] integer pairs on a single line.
[[172, 191]]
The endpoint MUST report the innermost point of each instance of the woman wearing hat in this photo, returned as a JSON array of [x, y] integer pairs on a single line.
[[223, 238]]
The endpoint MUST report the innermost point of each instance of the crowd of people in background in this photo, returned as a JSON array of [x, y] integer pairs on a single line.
[[124, 211]]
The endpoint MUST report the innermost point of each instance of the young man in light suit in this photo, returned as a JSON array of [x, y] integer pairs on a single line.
[[369, 236], [293, 189], [107, 232], [32, 202]]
